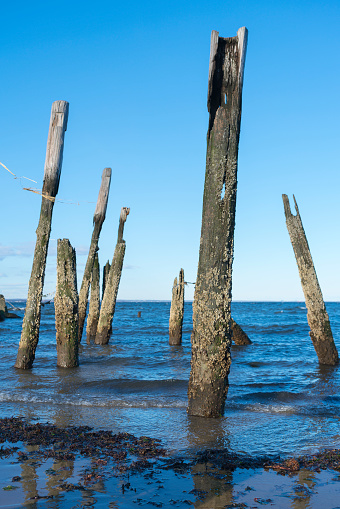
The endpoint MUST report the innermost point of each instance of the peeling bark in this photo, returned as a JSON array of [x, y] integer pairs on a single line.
[[94, 308], [53, 163], [98, 220], [177, 311], [66, 306], [108, 306], [318, 320], [211, 338]]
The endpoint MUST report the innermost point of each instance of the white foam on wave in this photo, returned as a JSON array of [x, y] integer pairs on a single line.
[[276, 409], [112, 403]]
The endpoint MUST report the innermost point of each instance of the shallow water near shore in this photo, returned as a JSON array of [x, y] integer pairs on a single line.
[[280, 399]]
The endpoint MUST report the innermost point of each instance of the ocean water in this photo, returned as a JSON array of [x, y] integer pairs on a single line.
[[280, 399]]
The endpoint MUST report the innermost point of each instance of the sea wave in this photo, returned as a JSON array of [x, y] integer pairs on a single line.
[[93, 402]]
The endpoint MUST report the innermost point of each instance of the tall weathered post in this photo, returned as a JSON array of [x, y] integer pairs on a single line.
[[108, 306], [177, 311], [318, 320], [66, 306], [98, 220], [94, 307], [211, 337], [53, 163]]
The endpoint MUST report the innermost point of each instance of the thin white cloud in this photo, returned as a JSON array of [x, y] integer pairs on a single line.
[[21, 249]]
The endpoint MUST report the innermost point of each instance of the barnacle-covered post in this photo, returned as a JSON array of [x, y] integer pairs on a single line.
[[318, 320], [108, 306], [66, 306], [94, 307], [177, 310], [53, 163], [98, 220], [211, 338]]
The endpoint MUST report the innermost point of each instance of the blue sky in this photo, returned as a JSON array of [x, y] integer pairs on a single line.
[[135, 76]]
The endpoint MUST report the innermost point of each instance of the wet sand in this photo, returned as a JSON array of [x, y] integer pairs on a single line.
[[45, 466]]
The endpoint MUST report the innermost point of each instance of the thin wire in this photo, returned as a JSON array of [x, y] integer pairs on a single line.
[[37, 191]]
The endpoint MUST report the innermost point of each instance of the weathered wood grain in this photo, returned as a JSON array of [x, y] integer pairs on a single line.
[[98, 219], [66, 306], [106, 271], [177, 310], [53, 164], [318, 320], [211, 338], [94, 307], [108, 306]]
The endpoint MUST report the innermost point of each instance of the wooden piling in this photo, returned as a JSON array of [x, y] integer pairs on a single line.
[[111, 288], [318, 320], [211, 338], [53, 163], [94, 307], [2, 308], [98, 219], [66, 306], [177, 311], [106, 271], [239, 337]]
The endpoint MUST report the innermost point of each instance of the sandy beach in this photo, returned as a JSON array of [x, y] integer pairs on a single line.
[[49, 467]]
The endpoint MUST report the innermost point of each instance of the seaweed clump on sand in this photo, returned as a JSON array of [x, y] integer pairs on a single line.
[[125, 450], [225, 460], [328, 459]]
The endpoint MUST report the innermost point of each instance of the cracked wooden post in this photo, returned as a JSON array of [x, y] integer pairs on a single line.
[[177, 311], [94, 307], [98, 220], [66, 306], [318, 320], [211, 337], [239, 337], [53, 163], [108, 306]]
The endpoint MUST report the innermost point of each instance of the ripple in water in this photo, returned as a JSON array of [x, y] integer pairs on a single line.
[[280, 400]]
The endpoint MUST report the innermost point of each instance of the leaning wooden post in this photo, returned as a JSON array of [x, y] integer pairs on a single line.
[[318, 320], [98, 219], [66, 306], [94, 307], [108, 306], [177, 311], [211, 338], [53, 163]]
